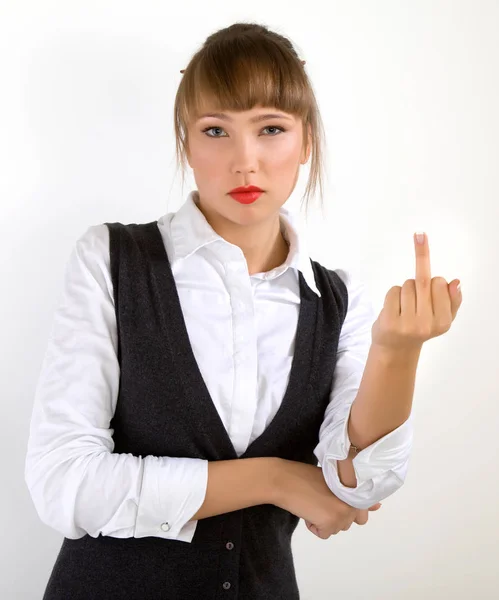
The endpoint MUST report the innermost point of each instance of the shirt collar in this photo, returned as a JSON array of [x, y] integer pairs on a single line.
[[190, 231]]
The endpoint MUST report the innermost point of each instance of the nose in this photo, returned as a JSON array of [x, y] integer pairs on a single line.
[[244, 157]]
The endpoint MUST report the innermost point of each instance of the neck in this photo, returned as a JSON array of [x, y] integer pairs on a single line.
[[263, 245], [263, 257]]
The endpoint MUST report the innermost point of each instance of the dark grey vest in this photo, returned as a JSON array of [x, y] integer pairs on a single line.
[[164, 409]]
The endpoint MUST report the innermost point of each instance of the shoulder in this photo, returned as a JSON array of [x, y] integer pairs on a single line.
[[91, 255], [360, 305], [347, 282], [92, 246], [339, 278]]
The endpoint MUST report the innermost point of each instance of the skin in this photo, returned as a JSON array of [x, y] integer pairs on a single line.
[[419, 310], [423, 308], [237, 153]]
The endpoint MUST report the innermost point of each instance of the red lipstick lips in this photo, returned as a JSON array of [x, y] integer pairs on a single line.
[[246, 195], [243, 189]]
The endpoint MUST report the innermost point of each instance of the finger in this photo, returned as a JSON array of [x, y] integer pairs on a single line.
[[408, 298], [423, 277], [312, 528], [319, 533], [442, 303], [455, 297], [392, 301], [362, 517]]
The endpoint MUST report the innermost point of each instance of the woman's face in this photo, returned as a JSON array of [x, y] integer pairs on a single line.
[[239, 150]]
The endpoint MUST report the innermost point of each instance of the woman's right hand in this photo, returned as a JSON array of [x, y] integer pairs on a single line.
[[302, 490]]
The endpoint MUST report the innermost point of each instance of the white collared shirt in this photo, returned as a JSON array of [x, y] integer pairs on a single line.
[[79, 485]]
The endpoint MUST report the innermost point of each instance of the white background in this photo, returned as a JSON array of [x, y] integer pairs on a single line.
[[409, 95]]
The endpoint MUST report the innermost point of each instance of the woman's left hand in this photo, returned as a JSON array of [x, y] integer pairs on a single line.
[[423, 308]]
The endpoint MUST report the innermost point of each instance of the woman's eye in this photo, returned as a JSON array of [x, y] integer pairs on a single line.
[[209, 129], [220, 128]]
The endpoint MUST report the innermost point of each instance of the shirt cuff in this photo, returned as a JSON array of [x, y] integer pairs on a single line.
[[173, 489], [380, 468]]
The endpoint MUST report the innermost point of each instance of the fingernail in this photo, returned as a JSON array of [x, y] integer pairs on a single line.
[[420, 235], [459, 288]]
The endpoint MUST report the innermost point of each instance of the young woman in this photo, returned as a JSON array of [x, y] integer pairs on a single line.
[[187, 393]]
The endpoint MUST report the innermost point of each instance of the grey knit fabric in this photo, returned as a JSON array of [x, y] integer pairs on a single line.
[[164, 409]]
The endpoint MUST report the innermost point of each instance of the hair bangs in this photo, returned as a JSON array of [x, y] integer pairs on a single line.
[[239, 81]]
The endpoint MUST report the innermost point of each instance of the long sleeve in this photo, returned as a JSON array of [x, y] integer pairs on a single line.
[[380, 468], [77, 484]]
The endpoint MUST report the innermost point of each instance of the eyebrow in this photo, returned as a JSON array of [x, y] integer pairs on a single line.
[[256, 119]]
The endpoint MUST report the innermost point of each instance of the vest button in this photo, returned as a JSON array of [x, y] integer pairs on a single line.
[[165, 526], [226, 585], [229, 545]]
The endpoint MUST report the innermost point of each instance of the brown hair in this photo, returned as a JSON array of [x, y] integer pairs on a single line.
[[245, 65]]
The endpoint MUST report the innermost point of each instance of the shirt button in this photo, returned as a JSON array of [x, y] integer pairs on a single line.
[[229, 545], [226, 585], [165, 526]]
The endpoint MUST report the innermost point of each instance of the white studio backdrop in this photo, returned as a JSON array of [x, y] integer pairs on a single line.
[[409, 95]]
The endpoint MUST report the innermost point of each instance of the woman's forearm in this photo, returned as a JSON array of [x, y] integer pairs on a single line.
[[238, 483], [346, 472]]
